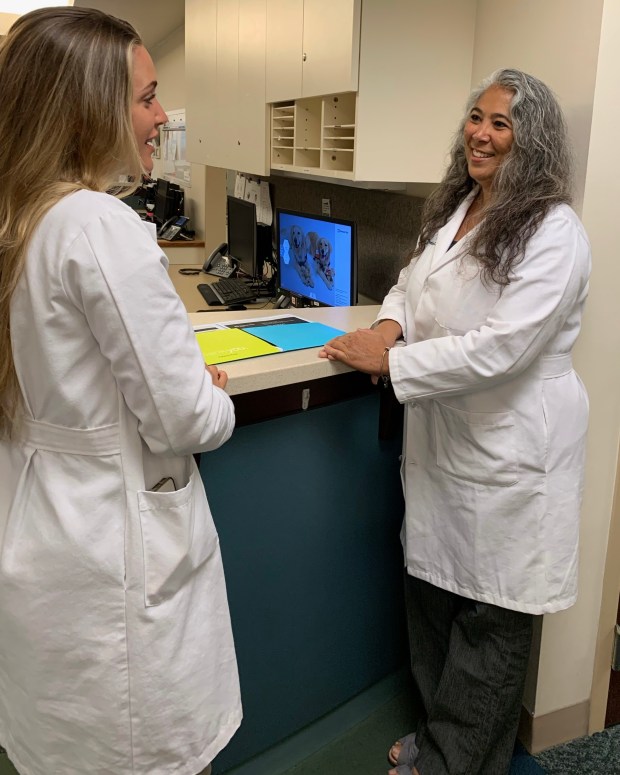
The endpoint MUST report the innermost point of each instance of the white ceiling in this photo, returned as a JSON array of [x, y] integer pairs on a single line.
[[153, 19]]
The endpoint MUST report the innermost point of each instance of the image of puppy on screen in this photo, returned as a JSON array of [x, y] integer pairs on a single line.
[[320, 249], [300, 257]]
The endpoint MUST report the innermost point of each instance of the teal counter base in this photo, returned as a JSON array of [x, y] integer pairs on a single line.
[[309, 508]]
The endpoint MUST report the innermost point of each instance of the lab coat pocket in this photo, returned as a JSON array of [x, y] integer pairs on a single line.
[[178, 536], [464, 303], [476, 446], [453, 326]]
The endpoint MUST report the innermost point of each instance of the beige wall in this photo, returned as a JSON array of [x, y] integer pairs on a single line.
[[598, 358], [169, 59], [555, 40]]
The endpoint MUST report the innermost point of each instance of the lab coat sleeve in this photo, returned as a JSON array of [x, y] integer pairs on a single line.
[[116, 275], [551, 282], [393, 307]]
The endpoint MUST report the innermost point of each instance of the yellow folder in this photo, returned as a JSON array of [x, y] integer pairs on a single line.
[[222, 345]]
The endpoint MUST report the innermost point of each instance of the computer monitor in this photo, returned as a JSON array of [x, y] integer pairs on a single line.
[[242, 234], [168, 200], [317, 259]]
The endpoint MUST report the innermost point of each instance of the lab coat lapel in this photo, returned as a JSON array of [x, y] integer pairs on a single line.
[[444, 254]]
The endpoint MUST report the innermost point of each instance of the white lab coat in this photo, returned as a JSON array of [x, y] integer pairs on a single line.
[[116, 653], [495, 417]]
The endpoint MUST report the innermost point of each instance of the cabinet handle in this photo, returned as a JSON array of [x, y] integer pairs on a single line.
[[305, 56]]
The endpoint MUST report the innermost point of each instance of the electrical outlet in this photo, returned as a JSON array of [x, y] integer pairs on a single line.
[[326, 207]]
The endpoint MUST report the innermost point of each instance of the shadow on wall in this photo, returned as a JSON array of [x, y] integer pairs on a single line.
[[387, 224]]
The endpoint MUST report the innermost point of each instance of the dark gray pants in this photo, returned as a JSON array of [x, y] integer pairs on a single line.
[[469, 661]]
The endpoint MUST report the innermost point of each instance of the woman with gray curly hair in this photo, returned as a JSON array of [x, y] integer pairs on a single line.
[[476, 337]]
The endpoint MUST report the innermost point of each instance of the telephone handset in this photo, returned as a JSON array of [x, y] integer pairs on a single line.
[[220, 263], [173, 228]]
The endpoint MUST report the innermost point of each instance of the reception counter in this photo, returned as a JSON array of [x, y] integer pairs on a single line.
[[307, 501], [292, 367]]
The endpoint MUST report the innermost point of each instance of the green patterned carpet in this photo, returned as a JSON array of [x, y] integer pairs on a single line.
[[598, 754]]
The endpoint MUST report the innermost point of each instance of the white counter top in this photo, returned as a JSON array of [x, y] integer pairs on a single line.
[[289, 368]]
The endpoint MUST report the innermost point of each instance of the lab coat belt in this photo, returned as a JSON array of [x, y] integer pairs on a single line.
[[555, 365], [104, 440]]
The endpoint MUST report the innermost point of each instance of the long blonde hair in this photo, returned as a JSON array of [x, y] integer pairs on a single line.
[[65, 125]]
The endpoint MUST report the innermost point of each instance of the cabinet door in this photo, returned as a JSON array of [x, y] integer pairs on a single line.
[[252, 114], [200, 74], [223, 153], [312, 48], [414, 79], [331, 36], [285, 23], [227, 116]]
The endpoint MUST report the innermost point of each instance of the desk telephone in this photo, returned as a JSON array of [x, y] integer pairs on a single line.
[[174, 228], [220, 263]]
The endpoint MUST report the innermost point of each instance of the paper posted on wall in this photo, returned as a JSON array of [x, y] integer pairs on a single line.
[[239, 191], [174, 163], [256, 191]]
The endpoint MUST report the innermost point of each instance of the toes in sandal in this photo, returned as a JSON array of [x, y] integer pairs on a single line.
[[408, 751]]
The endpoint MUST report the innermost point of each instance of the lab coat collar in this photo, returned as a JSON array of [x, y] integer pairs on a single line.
[[444, 254]]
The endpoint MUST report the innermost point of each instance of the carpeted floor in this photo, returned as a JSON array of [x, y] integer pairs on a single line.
[[598, 754], [362, 751]]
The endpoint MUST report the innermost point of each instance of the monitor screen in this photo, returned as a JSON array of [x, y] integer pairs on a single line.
[[242, 234], [317, 259]]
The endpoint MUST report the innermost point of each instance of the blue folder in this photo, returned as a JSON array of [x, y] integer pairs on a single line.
[[295, 336]]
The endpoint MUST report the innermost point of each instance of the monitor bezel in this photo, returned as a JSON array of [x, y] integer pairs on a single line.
[[306, 300], [162, 191], [165, 205], [249, 272]]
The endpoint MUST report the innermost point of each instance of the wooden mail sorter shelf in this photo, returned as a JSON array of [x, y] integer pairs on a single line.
[[314, 135]]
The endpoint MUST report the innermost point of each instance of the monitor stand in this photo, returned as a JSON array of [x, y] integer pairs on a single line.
[[282, 302]]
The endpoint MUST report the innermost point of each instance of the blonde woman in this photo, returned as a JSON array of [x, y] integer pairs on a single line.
[[116, 653]]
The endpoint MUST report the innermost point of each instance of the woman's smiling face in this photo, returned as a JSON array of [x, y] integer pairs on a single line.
[[146, 112], [488, 135]]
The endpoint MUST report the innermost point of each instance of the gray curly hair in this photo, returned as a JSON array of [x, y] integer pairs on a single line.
[[535, 175]]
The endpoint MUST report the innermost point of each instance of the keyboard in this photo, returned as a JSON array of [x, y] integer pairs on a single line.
[[226, 291]]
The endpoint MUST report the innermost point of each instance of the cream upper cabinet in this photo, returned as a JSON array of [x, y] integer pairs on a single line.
[[283, 64], [378, 97], [200, 79], [252, 112], [312, 47], [227, 114], [415, 65], [415, 76]]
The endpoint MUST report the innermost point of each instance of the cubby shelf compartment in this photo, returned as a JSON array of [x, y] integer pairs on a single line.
[[315, 135], [282, 133]]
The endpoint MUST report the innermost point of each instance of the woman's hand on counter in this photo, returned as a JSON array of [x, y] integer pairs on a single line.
[[220, 378], [363, 350]]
